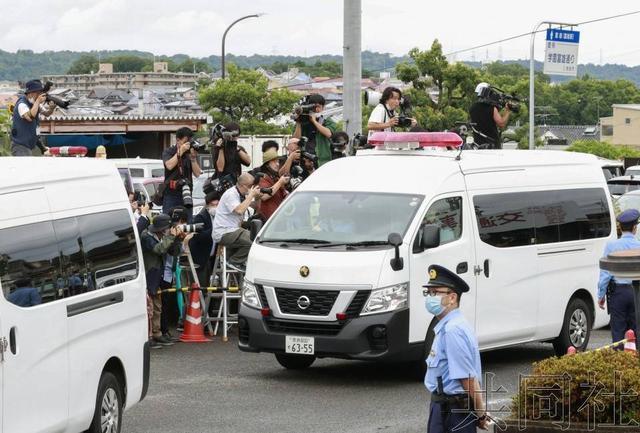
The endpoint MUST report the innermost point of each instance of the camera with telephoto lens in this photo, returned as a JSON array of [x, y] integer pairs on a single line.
[[266, 191], [220, 132], [191, 228], [187, 198], [303, 108], [219, 185], [195, 144], [498, 98], [60, 102]]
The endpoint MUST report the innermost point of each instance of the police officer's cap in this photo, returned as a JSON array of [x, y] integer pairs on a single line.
[[630, 216], [442, 277]]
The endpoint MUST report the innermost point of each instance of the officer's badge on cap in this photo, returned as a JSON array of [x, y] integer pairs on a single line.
[[442, 277]]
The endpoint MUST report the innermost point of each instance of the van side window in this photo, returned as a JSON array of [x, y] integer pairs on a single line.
[[542, 217], [447, 214], [51, 260]]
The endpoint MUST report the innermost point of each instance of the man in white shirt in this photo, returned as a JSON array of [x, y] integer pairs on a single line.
[[384, 116], [229, 214]]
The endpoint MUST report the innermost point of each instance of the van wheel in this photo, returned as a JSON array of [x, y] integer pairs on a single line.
[[421, 364], [294, 362], [107, 416], [576, 327]]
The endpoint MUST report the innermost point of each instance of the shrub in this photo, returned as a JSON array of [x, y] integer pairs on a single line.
[[604, 150], [584, 388]]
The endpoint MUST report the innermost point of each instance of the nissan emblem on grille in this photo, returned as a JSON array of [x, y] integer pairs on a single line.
[[304, 271], [303, 302]]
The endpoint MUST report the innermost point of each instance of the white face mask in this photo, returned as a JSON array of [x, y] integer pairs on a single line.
[[31, 100], [212, 211]]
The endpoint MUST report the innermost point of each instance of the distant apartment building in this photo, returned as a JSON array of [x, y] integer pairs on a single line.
[[623, 127], [105, 77]]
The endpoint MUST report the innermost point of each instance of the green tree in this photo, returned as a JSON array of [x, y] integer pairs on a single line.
[[86, 64], [604, 150], [244, 97], [5, 128]]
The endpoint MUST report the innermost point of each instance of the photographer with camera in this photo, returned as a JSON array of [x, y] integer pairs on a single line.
[[317, 129], [384, 116], [228, 157], [180, 167], [485, 114], [229, 216], [272, 184], [25, 130]]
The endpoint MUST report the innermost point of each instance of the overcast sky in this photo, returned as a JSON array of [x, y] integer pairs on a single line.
[[299, 27]]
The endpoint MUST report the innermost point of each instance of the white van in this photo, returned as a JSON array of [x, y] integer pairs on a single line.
[[525, 230], [73, 322], [141, 167]]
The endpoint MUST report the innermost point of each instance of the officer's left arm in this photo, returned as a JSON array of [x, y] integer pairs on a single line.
[[605, 277]]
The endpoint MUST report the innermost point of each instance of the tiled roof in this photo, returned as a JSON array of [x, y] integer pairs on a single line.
[[570, 133], [133, 117]]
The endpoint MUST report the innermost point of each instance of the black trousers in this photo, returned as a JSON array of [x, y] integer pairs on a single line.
[[622, 311], [456, 421]]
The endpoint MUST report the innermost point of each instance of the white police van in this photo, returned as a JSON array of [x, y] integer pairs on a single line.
[[73, 322], [338, 270]]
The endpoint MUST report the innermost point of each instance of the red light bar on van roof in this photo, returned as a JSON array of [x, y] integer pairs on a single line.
[[68, 151], [414, 140]]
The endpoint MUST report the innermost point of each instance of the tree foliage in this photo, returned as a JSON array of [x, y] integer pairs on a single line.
[[5, 128], [243, 96], [604, 150]]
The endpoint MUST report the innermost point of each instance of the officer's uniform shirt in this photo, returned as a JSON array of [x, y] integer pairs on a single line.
[[454, 355], [627, 241]]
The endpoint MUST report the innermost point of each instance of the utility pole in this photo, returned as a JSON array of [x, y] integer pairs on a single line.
[[352, 67]]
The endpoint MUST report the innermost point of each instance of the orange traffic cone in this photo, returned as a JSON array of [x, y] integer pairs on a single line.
[[193, 327], [571, 350], [630, 344]]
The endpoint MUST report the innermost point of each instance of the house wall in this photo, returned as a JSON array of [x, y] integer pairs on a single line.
[[621, 128]]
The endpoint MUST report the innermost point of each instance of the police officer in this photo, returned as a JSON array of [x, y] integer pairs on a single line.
[[453, 374], [617, 292]]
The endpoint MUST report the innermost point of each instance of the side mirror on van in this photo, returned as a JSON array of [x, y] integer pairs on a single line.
[[430, 236], [254, 228], [395, 240]]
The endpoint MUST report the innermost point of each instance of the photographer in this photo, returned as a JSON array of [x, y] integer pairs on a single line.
[[384, 116], [229, 215], [159, 242], [269, 201], [488, 119], [316, 128], [26, 119], [228, 157], [180, 166]]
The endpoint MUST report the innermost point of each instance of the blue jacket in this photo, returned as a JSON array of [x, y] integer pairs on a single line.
[[627, 241], [23, 132]]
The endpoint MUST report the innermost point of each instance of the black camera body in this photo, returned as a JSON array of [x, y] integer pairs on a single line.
[[218, 185], [199, 147], [404, 121], [304, 108], [498, 98], [60, 102], [220, 132]]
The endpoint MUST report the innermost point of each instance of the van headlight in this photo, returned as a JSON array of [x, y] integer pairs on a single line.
[[250, 296], [387, 299]]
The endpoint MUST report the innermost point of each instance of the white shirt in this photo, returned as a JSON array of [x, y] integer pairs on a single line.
[[226, 220], [380, 115], [24, 109]]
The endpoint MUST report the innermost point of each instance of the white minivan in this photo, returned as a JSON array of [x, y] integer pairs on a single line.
[[73, 323], [338, 270]]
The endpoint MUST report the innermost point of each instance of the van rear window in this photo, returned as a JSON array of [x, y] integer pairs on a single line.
[[51, 260], [542, 217]]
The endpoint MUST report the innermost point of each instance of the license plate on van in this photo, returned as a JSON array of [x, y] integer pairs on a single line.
[[299, 345]]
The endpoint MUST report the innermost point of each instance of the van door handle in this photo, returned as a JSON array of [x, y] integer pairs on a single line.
[[486, 268], [462, 268], [12, 340]]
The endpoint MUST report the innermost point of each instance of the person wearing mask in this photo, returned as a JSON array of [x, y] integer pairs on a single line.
[[228, 156], [25, 129], [316, 129], [202, 245], [229, 216], [384, 116], [618, 293], [454, 372], [158, 241], [270, 201]]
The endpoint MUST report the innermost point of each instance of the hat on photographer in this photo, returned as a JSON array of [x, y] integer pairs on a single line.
[[33, 86], [481, 86], [160, 223], [269, 156]]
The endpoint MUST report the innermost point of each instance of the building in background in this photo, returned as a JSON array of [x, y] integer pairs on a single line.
[[623, 127]]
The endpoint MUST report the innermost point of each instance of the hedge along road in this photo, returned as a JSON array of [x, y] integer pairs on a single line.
[[213, 387]]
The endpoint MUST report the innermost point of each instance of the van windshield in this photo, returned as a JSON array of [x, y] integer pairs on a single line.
[[341, 217]]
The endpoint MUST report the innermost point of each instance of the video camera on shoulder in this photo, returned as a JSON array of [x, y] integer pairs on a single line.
[[498, 98], [304, 107], [220, 131]]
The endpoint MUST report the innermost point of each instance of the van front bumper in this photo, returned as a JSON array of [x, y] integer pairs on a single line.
[[382, 336]]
